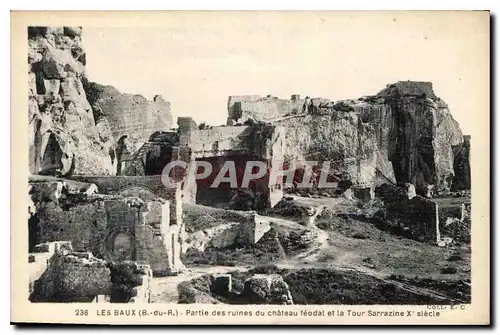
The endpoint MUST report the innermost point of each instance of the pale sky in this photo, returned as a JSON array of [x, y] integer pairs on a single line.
[[196, 62]]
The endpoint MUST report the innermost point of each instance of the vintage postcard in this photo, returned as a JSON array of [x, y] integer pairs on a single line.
[[251, 167]]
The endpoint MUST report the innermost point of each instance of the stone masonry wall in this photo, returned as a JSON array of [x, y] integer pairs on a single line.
[[70, 276], [131, 283], [84, 224], [415, 217], [237, 144], [243, 108], [73, 277], [404, 133], [117, 228], [130, 115]]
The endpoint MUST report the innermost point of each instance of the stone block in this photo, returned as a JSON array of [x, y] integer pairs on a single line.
[[70, 278]]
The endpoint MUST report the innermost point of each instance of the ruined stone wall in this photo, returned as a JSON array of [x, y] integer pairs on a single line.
[[147, 188], [116, 228], [130, 115], [403, 134], [64, 137], [72, 278], [416, 217], [261, 140], [39, 261], [131, 283], [239, 145], [217, 141], [461, 166], [154, 238], [69, 276], [144, 187], [83, 224], [159, 237], [247, 232], [142, 293], [253, 107]]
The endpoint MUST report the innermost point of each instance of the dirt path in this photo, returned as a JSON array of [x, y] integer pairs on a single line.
[[321, 244], [164, 289]]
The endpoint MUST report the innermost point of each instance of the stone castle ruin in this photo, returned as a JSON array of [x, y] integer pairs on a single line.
[[114, 228], [403, 134], [96, 160]]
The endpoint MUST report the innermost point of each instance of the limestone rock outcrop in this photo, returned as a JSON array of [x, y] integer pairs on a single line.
[[403, 134], [64, 137], [72, 277], [77, 127], [129, 115], [461, 165], [269, 289]]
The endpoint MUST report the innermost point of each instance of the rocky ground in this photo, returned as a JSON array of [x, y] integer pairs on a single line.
[[341, 258], [333, 249]]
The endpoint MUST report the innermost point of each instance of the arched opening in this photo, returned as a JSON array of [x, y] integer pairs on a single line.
[[122, 154], [121, 147], [51, 161]]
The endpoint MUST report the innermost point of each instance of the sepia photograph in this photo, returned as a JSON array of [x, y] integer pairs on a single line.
[[281, 159]]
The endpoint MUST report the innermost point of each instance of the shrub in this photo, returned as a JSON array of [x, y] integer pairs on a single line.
[[342, 106]]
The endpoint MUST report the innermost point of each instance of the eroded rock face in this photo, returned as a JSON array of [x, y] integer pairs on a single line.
[[72, 277], [423, 138], [130, 115], [76, 126], [268, 289], [461, 165], [404, 134], [64, 136]]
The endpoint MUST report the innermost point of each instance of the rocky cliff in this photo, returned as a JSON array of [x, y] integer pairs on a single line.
[[75, 126], [64, 137], [405, 133], [461, 165], [130, 115]]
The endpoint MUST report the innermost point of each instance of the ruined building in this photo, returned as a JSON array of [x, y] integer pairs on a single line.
[[81, 134], [403, 134], [97, 159], [238, 144], [113, 227], [216, 146]]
